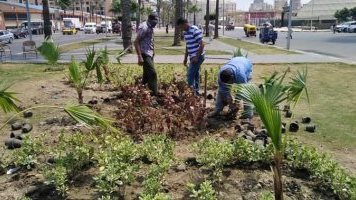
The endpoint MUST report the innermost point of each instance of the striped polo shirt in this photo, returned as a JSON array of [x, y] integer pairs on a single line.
[[193, 36]]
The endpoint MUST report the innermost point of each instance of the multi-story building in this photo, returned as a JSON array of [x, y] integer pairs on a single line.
[[230, 6], [260, 5], [296, 5], [279, 4]]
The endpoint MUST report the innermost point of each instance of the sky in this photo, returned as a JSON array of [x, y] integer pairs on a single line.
[[245, 4]]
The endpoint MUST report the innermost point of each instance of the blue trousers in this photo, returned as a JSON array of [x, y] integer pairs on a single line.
[[193, 74]]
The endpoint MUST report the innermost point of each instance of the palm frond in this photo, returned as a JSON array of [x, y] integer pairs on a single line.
[[122, 54], [86, 116], [267, 111], [296, 86], [50, 51], [75, 73], [90, 59], [7, 99]]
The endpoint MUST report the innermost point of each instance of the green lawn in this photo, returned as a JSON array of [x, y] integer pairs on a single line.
[[255, 48], [78, 45]]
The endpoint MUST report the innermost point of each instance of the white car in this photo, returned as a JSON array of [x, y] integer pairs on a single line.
[[343, 27], [6, 36], [90, 28], [352, 28]]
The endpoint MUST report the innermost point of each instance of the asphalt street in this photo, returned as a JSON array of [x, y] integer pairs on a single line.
[[16, 46], [340, 45]]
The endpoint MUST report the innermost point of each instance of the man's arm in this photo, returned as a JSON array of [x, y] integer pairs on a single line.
[[201, 48], [185, 56], [138, 49]]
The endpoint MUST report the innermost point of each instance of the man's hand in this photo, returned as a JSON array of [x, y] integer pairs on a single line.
[[140, 60], [185, 62], [195, 60]]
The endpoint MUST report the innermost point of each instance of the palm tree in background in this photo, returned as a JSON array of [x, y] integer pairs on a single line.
[[194, 9], [216, 35], [126, 25], [178, 14]]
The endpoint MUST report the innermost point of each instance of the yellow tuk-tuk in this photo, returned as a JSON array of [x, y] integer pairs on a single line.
[[250, 30]]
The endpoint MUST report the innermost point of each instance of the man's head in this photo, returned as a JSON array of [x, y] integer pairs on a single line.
[[152, 20], [182, 24], [227, 76]]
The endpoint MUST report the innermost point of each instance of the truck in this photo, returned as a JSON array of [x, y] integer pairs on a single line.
[[71, 26]]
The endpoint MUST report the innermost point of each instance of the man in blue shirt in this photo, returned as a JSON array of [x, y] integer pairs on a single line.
[[195, 49], [237, 71]]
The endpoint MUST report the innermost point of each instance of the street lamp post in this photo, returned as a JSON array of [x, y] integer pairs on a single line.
[[290, 11], [312, 15], [29, 27]]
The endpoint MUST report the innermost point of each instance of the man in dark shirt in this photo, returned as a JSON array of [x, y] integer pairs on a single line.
[[145, 52]]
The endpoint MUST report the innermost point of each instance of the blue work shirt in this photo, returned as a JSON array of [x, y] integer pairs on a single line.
[[242, 71]]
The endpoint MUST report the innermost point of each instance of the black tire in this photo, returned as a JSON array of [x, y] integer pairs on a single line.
[[11, 40], [273, 42]]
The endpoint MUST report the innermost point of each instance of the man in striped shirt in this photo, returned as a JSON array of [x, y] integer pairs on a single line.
[[195, 49]]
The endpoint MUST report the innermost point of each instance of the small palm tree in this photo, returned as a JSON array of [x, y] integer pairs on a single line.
[[266, 100], [50, 51]]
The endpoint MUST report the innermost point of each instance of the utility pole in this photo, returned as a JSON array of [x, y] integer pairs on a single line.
[[290, 11], [312, 15], [224, 17], [29, 27]]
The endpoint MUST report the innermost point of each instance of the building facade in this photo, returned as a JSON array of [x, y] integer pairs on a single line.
[[260, 5], [279, 4], [323, 9]]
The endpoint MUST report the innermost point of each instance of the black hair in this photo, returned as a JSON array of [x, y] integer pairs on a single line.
[[181, 21], [226, 76], [152, 16]]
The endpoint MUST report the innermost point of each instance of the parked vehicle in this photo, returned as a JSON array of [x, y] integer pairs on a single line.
[[6, 36], [229, 27], [267, 34], [343, 27], [90, 27], [106, 26], [69, 27], [99, 29], [19, 33], [352, 28], [36, 26], [250, 30], [74, 21]]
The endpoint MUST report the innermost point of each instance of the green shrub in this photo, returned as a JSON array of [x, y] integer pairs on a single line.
[[27, 155], [157, 148], [204, 191], [214, 154], [116, 160], [245, 151]]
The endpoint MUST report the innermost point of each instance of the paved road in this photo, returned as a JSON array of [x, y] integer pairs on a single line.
[[340, 45], [16, 46]]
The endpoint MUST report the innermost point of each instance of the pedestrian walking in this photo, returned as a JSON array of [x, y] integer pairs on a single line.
[[145, 52], [195, 49], [167, 28]]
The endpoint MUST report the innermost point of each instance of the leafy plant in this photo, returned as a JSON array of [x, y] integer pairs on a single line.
[[94, 61], [158, 149], [266, 196], [70, 156], [116, 160], [214, 154], [50, 51], [104, 56], [7, 99], [27, 155], [238, 53], [245, 151], [322, 167], [204, 191], [266, 100], [78, 78]]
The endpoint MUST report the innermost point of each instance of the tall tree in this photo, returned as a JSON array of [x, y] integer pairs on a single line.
[[342, 15], [353, 13], [138, 18], [207, 18], [194, 9], [159, 5], [216, 35], [47, 26], [126, 25], [178, 14]]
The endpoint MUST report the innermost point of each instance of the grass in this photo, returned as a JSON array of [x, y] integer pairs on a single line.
[[78, 45], [331, 86], [255, 48]]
